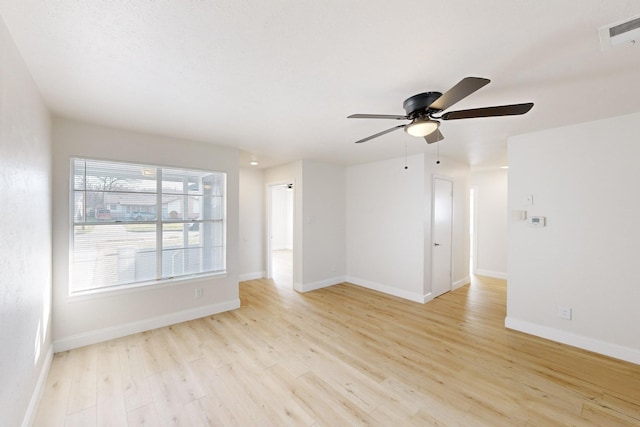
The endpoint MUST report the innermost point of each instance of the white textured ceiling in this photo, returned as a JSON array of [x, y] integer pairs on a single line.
[[277, 78]]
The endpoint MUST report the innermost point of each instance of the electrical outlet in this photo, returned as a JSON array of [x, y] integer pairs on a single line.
[[564, 313], [199, 293]]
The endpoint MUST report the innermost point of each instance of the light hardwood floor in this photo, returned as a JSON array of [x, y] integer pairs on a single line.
[[341, 356]]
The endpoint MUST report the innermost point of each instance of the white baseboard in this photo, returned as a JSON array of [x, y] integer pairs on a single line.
[[586, 343], [306, 287], [88, 338], [30, 415], [491, 273], [460, 283], [390, 290], [252, 276]]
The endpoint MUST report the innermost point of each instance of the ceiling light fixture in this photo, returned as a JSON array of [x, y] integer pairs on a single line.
[[422, 127], [253, 163]]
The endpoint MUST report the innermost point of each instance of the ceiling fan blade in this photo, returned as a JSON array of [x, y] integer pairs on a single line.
[[377, 116], [464, 88], [380, 133], [502, 110], [434, 136]]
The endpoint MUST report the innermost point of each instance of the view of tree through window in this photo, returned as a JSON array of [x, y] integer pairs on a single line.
[[135, 223]]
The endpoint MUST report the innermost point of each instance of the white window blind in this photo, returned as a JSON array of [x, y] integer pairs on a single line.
[[141, 224]]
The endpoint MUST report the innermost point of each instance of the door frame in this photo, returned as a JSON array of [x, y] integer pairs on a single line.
[[473, 225], [433, 226]]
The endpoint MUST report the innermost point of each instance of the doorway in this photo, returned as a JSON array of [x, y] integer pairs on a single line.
[[442, 228], [280, 235]]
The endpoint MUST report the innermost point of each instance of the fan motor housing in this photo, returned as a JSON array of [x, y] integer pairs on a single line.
[[418, 104]]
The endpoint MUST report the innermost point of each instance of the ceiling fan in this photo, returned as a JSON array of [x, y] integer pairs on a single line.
[[422, 110]]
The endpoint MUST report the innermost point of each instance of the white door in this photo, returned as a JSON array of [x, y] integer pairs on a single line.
[[442, 227]]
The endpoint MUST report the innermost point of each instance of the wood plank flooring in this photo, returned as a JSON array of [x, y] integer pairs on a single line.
[[341, 356]]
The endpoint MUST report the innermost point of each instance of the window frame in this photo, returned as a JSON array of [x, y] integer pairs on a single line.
[[159, 222]]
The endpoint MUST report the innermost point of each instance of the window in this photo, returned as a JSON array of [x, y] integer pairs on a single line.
[[140, 224]]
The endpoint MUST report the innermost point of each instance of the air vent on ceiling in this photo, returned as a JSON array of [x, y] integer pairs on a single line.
[[618, 33]]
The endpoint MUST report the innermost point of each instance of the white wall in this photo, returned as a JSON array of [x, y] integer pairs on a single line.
[[584, 180], [318, 221], [491, 222], [323, 225], [389, 212], [25, 242], [82, 320], [251, 225], [386, 210]]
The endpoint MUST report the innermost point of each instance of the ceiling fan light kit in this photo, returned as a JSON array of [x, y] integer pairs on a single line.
[[423, 109], [422, 127]]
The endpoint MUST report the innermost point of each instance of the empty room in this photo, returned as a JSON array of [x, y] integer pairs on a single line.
[[269, 213]]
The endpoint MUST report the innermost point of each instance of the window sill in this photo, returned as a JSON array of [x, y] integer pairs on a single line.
[[140, 287]]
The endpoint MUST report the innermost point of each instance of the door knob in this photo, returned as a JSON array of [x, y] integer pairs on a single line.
[[436, 244]]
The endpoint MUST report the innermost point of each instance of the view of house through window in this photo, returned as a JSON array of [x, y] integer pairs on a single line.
[[135, 223]]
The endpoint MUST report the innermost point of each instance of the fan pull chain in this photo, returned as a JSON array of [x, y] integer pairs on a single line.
[[438, 151], [405, 156]]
